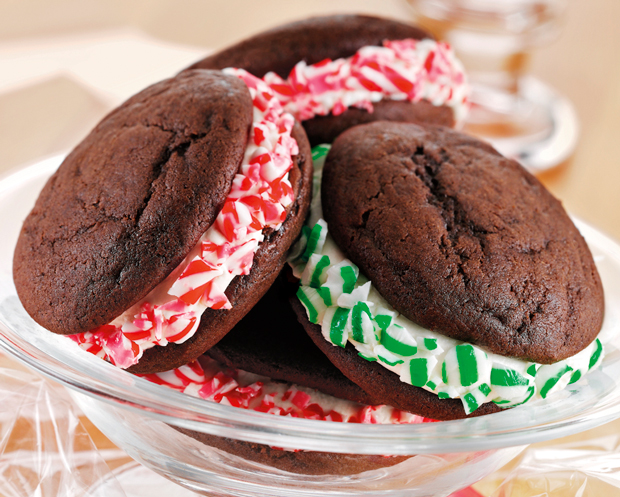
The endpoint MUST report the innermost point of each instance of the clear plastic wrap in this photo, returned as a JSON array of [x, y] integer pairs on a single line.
[[47, 447], [582, 465]]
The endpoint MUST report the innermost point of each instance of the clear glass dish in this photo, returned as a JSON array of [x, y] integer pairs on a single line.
[[138, 415]]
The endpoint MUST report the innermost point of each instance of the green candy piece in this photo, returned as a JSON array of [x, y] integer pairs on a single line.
[[390, 363], [431, 385], [532, 370], [318, 271], [357, 320], [443, 395], [369, 359], [396, 346], [551, 382], [468, 364], [383, 321], [430, 343], [473, 400], [485, 389], [444, 373], [320, 151], [349, 277], [418, 368], [596, 354], [336, 329], [576, 377], [325, 295], [315, 236], [313, 313], [471, 403], [507, 378]]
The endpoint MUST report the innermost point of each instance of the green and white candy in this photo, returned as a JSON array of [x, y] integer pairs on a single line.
[[315, 272]]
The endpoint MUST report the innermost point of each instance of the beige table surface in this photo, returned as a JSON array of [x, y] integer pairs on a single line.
[[65, 63]]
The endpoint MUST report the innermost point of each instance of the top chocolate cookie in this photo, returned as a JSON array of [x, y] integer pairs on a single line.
[[127, 205], [462, 240], [311, 40]]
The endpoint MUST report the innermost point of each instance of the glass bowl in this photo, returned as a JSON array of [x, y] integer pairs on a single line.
[[139, 416]]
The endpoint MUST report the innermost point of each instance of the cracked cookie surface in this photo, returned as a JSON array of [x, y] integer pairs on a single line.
[[462, 240], [131, 200]]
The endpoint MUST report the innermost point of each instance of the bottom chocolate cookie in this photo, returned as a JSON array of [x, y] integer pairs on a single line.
[[384, 385], [302, 462]]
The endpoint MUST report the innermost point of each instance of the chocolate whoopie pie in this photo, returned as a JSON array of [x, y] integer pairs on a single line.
[[445, 279], [131, 201], [384, 384], [314, 40]]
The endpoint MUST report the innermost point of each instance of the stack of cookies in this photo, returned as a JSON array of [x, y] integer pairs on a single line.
[[397, 272]]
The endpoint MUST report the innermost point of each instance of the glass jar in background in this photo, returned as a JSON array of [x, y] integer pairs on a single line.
[[520, 115]]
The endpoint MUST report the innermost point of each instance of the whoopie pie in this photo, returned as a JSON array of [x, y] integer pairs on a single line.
[[443, 278], [168, 222]]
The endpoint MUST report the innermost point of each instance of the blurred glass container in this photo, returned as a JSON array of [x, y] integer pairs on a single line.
[[520, 115]]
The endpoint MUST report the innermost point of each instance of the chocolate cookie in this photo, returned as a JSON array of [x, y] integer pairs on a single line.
[[270, 342], [134, 198], [331, 37], [462, 241], [131, 200], [302, 462]]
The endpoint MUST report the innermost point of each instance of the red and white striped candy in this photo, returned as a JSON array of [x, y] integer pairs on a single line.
[[208, 380], [409, 70]]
